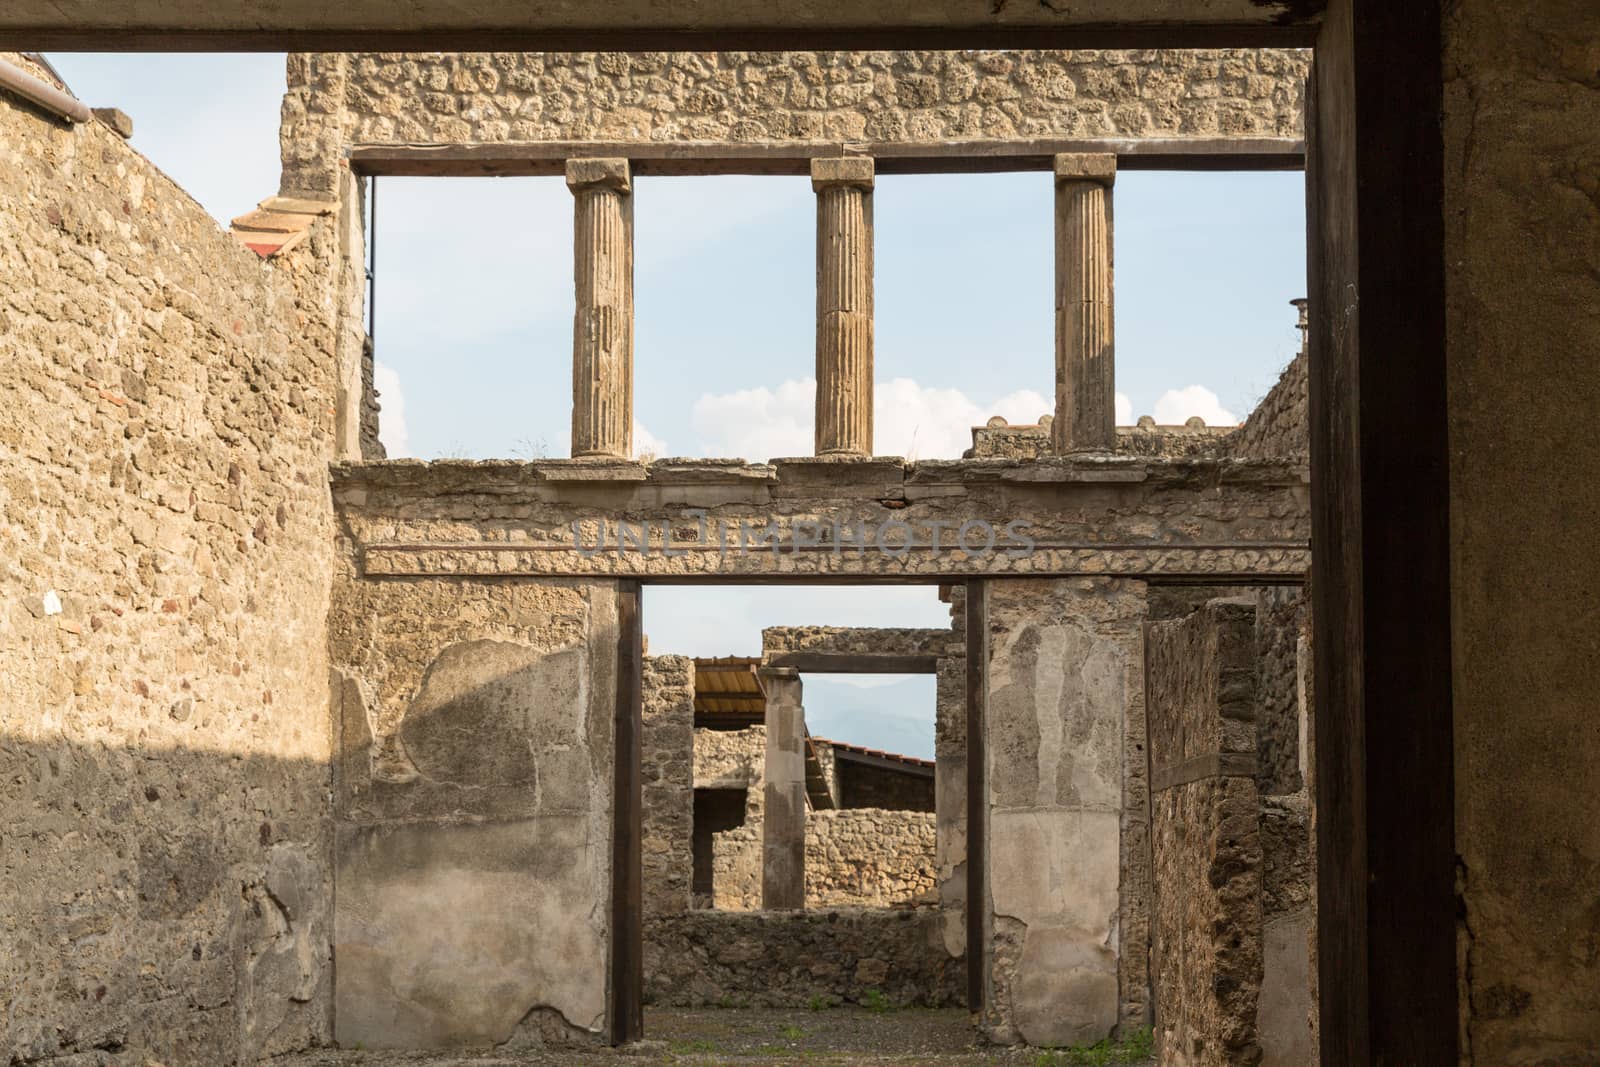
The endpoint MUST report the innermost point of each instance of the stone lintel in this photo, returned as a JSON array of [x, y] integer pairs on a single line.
[[1098, 167], [856, 171], [599, 174]]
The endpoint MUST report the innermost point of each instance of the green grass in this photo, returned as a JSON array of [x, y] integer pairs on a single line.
[[791, 1032], [818, 1002], [683, 1048], [874, 1000], [1136, 1047]]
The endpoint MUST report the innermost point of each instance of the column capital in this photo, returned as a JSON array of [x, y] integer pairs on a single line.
[[853, 171], [599, 174], [1097, 167]]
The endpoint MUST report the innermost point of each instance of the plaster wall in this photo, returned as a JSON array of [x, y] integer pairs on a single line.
[[165, 425], [474, 810], [1522, 240], [1065, 673]]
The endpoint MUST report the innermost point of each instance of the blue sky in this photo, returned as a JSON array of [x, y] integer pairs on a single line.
[[475, 303]]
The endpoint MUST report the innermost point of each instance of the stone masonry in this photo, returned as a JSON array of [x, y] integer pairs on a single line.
[[165, 560], [1207, 836], [247, 733], [668, 766], [891, 97]]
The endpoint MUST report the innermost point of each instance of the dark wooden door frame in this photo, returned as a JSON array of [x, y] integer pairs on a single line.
[[626, 1015], [975, 669], [1380, 566]]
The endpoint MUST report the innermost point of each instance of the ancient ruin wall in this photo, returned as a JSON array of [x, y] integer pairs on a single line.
[[165, 425], [800, 959], [1205, 824], [1063, 708], [667, 764], [451, 98], [729, 758], [1281, 619], [860, 640], [857, 857], [869, 857], [473, 799], [1279, 427]]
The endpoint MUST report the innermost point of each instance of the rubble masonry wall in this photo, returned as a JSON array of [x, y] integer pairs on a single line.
[[166, 419]]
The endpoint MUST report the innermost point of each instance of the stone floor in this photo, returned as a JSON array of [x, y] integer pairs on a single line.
[[771, 1038]]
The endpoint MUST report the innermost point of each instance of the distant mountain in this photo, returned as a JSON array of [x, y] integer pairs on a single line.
[[896, 717]]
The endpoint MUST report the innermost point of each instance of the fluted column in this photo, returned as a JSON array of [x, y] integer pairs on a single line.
[[602, 325], [844, 304], [1086, 410]]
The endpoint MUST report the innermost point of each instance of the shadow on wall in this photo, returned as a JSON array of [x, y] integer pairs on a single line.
[[472, 851], [179, 903], [169, 901]]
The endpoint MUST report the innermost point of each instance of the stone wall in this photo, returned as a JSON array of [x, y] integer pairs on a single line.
[[1522, 237], [729, 757], [473, 799], [800, 959], [855, 857], [165, 426], [1282, 618], [1001, 440], [667, 762], [1279, 427], [860, 640], [1205, 811], [863, 785], [735, 758], [869, 857], [453, 98], [1067, 867]]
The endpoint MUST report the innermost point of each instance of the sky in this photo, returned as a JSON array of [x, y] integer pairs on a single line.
[[474, 318]]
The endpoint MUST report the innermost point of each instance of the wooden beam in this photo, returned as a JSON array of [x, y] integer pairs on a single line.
[[1384, 785], [977, 796], [854, 663], [656, 158], [627, 837], [648, 25]]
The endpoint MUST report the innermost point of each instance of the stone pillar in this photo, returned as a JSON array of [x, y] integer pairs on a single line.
[[783, 844], [844, 305], [602, 324], [1064, 675], [1086, 409]]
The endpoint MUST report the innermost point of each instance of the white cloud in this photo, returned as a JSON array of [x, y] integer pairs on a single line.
[[756, 424], [910, 419], [1124, 410], [392, 431], [1177, 405], [646, 443]]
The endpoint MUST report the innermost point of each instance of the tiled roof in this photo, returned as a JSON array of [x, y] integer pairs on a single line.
[[893, 757], [278, 224]]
